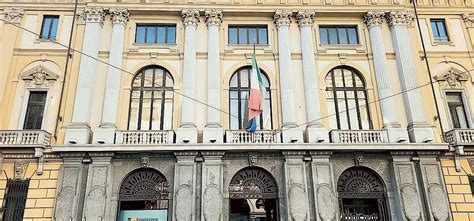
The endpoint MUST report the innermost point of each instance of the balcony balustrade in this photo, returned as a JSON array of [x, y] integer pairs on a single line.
[[144, 137], [359, 136], [260, 136], [25, 137], [460, 137]]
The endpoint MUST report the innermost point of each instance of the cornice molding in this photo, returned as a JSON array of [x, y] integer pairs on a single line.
[[190, 17], [305, 17], [282, 18], [213, 17], [119, 15], [374, 18]]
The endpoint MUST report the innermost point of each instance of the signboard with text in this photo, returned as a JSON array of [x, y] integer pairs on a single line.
[[143, 215]]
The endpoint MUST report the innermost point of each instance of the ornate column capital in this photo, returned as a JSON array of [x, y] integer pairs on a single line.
[[119, 15], [190, 17], [282, 18], [13, 15], [305, 17], [468, 18], [399, 18], [93, 15], [374, 18], [213, 17]]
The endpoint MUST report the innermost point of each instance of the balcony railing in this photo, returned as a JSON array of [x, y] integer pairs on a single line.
[[459, 137], [260, 136], [144, 137], [359, 136], [25, 137]]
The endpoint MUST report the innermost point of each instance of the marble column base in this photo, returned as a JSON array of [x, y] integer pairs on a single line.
[[421, 133], [186, 135], [317, 135], [293, 135], [213, 135], [104, 135], [397, 135], [78, 134]]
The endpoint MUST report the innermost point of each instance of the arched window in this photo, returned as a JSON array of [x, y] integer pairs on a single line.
[[151, 100], [347, 99], [239, 93]]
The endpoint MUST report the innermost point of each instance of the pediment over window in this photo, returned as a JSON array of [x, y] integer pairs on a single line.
[[453, 78], [39, 76]]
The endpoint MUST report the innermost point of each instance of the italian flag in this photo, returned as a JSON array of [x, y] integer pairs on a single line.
[[257, 96]]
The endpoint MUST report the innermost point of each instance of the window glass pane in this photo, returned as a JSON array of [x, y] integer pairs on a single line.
[[244, 78], [232, 35], [150, 35], [54, 28], [243, 36], [354, 119], [169, 80], [234, 80], [262, 36], [267, 121], [364, 118], [323, 36], [35, 110], [156, 121], [148, 81], [342, 112], [158, 78], [442, 29], [342, 32], [353, 37], [252, 35], [234, 112], [348, 78], [134, 104], [453, 97], [140, 35], [331, 111], [434, 28], [161, 35], [168, 112], [146, 111], [46, 27], [333, 36], [264, 80], [338, 81], [171, 38], [234, 94], [462, 117]]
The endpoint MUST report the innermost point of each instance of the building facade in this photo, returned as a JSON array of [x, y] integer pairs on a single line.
[[146, 116]]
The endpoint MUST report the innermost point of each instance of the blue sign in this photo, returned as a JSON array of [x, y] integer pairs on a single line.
[[143, 215]]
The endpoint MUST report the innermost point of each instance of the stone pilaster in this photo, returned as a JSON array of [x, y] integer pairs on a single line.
[[70, 189], [78, 132], [418, 129], [405, 183], [98, 188], [324, 186], [185, 186], [187, 132], [212, 186], [374, 20], [433, 186], [296, 186], [106, 132], [314, 131], [290, 133], [213, 133]]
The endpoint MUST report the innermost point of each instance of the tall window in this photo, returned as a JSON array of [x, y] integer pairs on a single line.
[[438, 26], [338, 35], [35, 110], [49, 27], [239, 92], [15, 199], [457, 110], [248, 35], [155, 34], [151, 102], [347, 99]]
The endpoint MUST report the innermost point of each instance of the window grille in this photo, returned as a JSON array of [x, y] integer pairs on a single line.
[[35, 110], [15, 199], [49, 27]]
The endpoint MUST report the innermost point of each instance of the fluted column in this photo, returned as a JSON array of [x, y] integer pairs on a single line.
[[418, 128], [213, 131], [374, 20], [315, 131], [107, 128], [187, 132], [282, 20], [79, 130]]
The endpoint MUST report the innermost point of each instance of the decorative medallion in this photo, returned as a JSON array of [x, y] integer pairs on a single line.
[[374, 18], [453, 78], [359, 182], [213, 17], [358, 159], [144, 159], [253, 183], [252, 159], [144, 184], [20, 169]]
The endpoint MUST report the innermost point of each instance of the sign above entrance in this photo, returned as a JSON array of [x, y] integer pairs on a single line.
[[143, 215]]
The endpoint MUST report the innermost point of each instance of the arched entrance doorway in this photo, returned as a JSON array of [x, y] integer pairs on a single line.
[[253, 195], [144, 194], [362, 195]]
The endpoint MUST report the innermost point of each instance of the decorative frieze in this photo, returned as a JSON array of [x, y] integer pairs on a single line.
[[372, 18], [399, 18], [39, 76], [468, 18], [453, 78], [213, 17], [13, 15], [119, 15], [305, 17], [282, 18], [96, 15], [190, 17]]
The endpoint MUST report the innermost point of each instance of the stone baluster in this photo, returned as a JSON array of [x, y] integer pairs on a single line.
[[374, 20], [187, 132], [106, 132], [418, 129], [213, 132], [290, 132], [79, 131], [315, 131]]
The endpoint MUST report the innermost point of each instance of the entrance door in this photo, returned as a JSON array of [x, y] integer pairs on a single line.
[[253, 196]]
